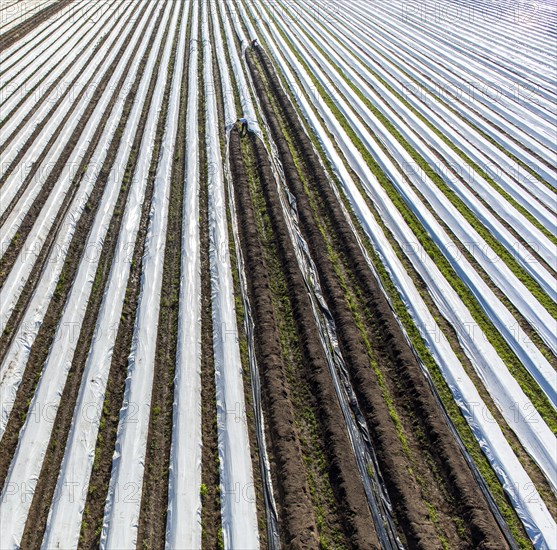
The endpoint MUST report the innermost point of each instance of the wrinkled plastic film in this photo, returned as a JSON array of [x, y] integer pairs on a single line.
[[273, 534], [238, 506], [489, 436], [26, 465], [183, 527], [121, 517]]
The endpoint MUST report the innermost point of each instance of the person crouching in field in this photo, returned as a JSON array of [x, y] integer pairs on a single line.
[[244, 123]]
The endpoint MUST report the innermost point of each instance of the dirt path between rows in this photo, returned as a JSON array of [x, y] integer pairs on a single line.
[[211, 516]]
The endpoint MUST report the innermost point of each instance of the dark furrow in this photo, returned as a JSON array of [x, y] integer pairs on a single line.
[[211, 519]]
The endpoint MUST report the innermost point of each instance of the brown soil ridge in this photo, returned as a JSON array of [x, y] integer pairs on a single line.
[[392, 349], [211, 516], [13, 35], [298, 519], [344, 474]]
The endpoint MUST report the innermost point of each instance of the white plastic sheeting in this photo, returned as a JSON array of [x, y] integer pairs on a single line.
[[11, 370], [500, 76], [538, 522], [273, 530], [467, 66], [505, 171], [18, 175], [21, 12], [121, 519], [37, 35], [64, 520], [429, 145], [14, 284], [183, 528], [34, 437], [30, 85], [528, 127], [525, 47], [394, 46], [41, 48], [238, 69], [495, 268], [238, 505]]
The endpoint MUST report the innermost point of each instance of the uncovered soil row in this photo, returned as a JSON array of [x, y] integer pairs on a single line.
[[344, 474], [408, 385], [154, 496], [297, 515], [211, 517], [43, 342], [19, 31]]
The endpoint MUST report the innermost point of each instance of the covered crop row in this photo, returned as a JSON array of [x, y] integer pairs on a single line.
[[338, 330]]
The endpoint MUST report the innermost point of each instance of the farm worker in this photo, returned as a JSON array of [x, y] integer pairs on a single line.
[[254, 43], [244, 122]]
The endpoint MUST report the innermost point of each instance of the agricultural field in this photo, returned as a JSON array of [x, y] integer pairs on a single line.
[[331, 324]]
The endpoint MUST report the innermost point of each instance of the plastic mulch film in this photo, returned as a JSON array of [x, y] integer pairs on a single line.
[[238, 503], [183, 526], [273, 529], [26, 465], [121, 516], [535, 516]]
